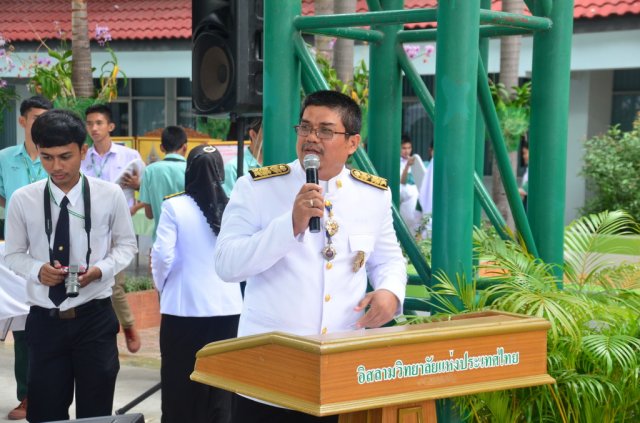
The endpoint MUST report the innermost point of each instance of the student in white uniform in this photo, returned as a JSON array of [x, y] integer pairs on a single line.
[[70, 220], [312, 283], [197, 306]]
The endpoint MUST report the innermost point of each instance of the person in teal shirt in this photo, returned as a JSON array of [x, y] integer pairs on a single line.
[[166, 176], [252, 157], [20, 166]]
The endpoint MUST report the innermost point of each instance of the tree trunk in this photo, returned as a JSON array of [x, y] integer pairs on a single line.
[[324, 45], [509, 64], [343, 51], [81, 65]]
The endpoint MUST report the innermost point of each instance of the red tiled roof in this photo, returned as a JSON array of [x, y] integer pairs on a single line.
[[588, 9], [583, 9], [26, 20]]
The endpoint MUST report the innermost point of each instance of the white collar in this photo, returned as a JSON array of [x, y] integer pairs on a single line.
[[73, 195]]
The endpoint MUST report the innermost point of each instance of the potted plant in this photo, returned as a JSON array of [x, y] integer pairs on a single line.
[[143, 300]]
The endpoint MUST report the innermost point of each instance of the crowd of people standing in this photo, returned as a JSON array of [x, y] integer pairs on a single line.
[[70, 219]]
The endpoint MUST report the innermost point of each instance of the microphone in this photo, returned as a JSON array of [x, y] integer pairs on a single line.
[[311, 163]]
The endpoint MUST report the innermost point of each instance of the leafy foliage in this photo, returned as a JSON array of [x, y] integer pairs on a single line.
[[216, 128], [593, 348], [357, 88], [513, 111], [138, 283], [612, 165]]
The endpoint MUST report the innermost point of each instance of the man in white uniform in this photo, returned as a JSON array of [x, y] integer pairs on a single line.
[[312, 283]]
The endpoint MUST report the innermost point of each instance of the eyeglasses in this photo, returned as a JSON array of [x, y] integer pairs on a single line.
[[321, 133]]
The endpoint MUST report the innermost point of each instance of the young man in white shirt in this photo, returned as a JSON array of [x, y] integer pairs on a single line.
[[54, 225], [107, 160]]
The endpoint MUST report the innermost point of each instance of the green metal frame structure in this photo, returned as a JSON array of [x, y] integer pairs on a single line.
[[463, 113]]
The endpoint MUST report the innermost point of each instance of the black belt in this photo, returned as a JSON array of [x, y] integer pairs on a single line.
[[73, 312]]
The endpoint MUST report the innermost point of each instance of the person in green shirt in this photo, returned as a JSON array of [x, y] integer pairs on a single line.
[[19, 166], [252, 157], [164, 177]]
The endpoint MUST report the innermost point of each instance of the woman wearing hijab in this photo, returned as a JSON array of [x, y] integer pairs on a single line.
[[197, 306]]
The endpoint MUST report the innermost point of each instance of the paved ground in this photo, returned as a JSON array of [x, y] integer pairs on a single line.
[[138, 373]]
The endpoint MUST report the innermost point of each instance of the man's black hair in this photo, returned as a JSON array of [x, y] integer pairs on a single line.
[[57, 128], [255, 124], [35, 102], [405, 139], [173, 138], [345, 106], [102, 109]]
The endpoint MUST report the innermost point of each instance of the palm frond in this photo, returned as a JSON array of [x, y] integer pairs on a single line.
[[603, 352], [586, 235]]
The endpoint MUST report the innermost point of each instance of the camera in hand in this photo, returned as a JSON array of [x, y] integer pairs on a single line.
[[71, 284]]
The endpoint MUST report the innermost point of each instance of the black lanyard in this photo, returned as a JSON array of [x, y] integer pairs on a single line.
[[48, 224], [172, 159]]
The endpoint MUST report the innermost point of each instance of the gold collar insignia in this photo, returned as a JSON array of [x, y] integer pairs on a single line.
[[269, 171], [367, 178]]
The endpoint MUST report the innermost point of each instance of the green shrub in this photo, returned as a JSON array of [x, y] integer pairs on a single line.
[[612, 165], [137, 283]]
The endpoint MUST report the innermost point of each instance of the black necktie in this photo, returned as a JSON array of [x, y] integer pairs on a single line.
[[57, 293]]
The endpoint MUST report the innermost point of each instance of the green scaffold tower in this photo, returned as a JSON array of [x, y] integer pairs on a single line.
[[462, 115]]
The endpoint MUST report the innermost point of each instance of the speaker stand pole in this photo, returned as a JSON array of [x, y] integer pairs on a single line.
[[240, 125], [139, 399]]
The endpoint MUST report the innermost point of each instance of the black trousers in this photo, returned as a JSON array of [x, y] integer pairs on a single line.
[[63, 352], [182, 399], [246, 410]]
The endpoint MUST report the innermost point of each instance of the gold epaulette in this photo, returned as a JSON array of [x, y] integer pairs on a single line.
[[166, 197], [367, 178], [269, 171]]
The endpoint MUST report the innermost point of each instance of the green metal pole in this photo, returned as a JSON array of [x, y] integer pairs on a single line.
[[480, 133], [455, 134], [386, 17], [311, 76], [350, 33], [514, 20], [507, 176], [281, 100], [548, 133], [385, 104], [483, 200], [486, 31]]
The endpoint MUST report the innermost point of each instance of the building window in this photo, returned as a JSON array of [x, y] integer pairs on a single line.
[[415, 121], [184, 115], [626, 98]]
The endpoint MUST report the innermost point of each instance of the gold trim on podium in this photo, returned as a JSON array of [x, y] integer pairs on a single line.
[[379, 368]]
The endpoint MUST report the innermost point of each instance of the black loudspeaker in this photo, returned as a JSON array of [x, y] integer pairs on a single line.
[[226, 61], [125, 418]]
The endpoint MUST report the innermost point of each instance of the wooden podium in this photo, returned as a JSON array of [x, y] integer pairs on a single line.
[[382, 375]]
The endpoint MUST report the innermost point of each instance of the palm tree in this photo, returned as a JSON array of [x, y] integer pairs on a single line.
[[81, 66], [323, 43], [343, 49]]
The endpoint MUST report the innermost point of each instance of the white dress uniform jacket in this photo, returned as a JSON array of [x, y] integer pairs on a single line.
[[182, 264], [289, 287]]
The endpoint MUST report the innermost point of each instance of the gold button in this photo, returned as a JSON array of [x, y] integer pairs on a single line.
[[329, 265], [327, 298], [324, 330], [339, 183]]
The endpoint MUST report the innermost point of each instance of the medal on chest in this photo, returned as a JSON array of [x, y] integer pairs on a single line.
[[331, 227]]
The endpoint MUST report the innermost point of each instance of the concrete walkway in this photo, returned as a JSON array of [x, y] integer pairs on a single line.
[[138, 373]]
